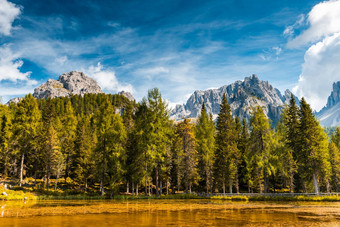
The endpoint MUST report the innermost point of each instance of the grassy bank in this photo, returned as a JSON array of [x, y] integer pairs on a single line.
[[323, 198], [6, 194], [18, 193]]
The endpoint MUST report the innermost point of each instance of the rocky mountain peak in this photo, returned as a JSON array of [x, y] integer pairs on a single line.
[[72, 83], [334, 98], [242, 97], [330, 114], [127, 95]]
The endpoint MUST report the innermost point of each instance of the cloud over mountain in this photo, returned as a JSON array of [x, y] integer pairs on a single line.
[[321, 61]]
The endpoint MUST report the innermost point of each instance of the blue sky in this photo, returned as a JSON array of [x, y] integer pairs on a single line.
[[177, 46]]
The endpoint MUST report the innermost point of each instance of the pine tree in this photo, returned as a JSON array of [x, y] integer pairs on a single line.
[[5, 138], [335, 165], [27, 123], [205, 137], [158, 131], [243, 144], [259, 154], [313, 159], [188, 145], [67, 135], [288, 144], [227, 157], [110, 149], [83, 160], [52, 157]]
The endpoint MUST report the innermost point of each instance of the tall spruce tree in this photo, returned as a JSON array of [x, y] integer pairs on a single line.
[[83, 158], [205, 137], [313, 160], [259, 154], [335, 165], [227, 156], [189, 160], [67, 135], [159, 130], [6, 133], [288, 144], [27, 124], [110, 150]]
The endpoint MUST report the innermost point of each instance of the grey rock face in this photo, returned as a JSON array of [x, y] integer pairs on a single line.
[[127, 95], [330, 114], [242, 96], [15, 100], [72, 83]]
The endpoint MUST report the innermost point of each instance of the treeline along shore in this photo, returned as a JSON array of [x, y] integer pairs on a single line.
[[107, 145]]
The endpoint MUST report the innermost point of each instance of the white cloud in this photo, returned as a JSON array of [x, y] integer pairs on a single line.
[[321, 62], [10, 65], [61, 60], [320, 69], [8, 13], [107, 80], [289, 31], [323, 20]]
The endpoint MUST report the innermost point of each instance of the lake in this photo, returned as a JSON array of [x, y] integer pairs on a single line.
[[168, 212]]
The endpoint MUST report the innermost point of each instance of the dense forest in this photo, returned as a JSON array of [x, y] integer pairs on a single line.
[[108, 144]]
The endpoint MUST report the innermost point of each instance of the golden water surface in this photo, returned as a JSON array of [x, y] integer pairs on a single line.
[[168, 213]]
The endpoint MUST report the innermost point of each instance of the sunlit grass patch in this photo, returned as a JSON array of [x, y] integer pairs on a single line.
[[231, 198], [7, 194]]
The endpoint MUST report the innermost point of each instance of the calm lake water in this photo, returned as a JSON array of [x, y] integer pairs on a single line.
[[168, 212]]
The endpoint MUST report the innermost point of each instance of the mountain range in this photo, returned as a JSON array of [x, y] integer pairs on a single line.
[[330, 114], [242, 96]]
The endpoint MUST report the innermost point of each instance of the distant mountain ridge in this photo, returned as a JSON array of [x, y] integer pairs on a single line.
[[72, 83], [329, 116], [242, 97]]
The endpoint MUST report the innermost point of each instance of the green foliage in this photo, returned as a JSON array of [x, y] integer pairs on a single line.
[[205, 137], [313, 159], [227, 156], [100, 142], [260, 156]]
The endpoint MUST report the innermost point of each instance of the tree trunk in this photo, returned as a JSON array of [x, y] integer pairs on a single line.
[[56, 181], [157, 187], [103, 177], [22, 167], [223, 187], [146, 170], [237, 184], [230, 186], [133, 188], [206, 182], [35, 178], [85, 184], [316, 185], [149, 188], [167, 187], [160, 188], [67, 167], [127, 187], [291, 183], [137, 189], [48, 179]]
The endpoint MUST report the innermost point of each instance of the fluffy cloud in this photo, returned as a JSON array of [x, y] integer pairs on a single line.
[[8, 13], [107, 80], [323, 20], [321, 62], [10, 66], [320, 69]]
